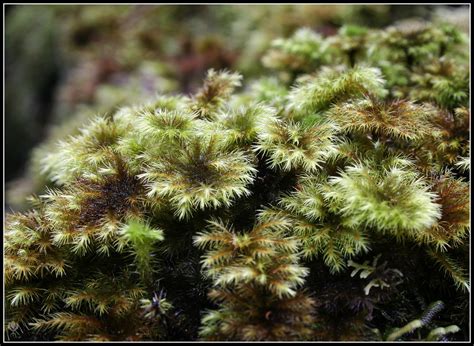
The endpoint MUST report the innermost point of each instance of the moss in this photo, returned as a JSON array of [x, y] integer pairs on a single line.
[[233, 213]]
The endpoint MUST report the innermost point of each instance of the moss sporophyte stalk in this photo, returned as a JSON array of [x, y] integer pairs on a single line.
[[240, 211]]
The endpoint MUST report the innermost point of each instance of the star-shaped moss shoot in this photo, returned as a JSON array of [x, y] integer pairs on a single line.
[[396, 119], [89, 212], [198, 174], [393, 199], [294, 145], [316, 93], [83, 154]]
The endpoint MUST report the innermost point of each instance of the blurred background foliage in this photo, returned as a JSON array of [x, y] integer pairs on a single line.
[[65, 63]]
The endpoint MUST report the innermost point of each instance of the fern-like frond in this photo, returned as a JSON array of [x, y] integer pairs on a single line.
[[245, 267], [453, 227], [451, 268]]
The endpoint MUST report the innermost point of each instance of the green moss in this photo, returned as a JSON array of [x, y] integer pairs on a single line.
[[232, 213]]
